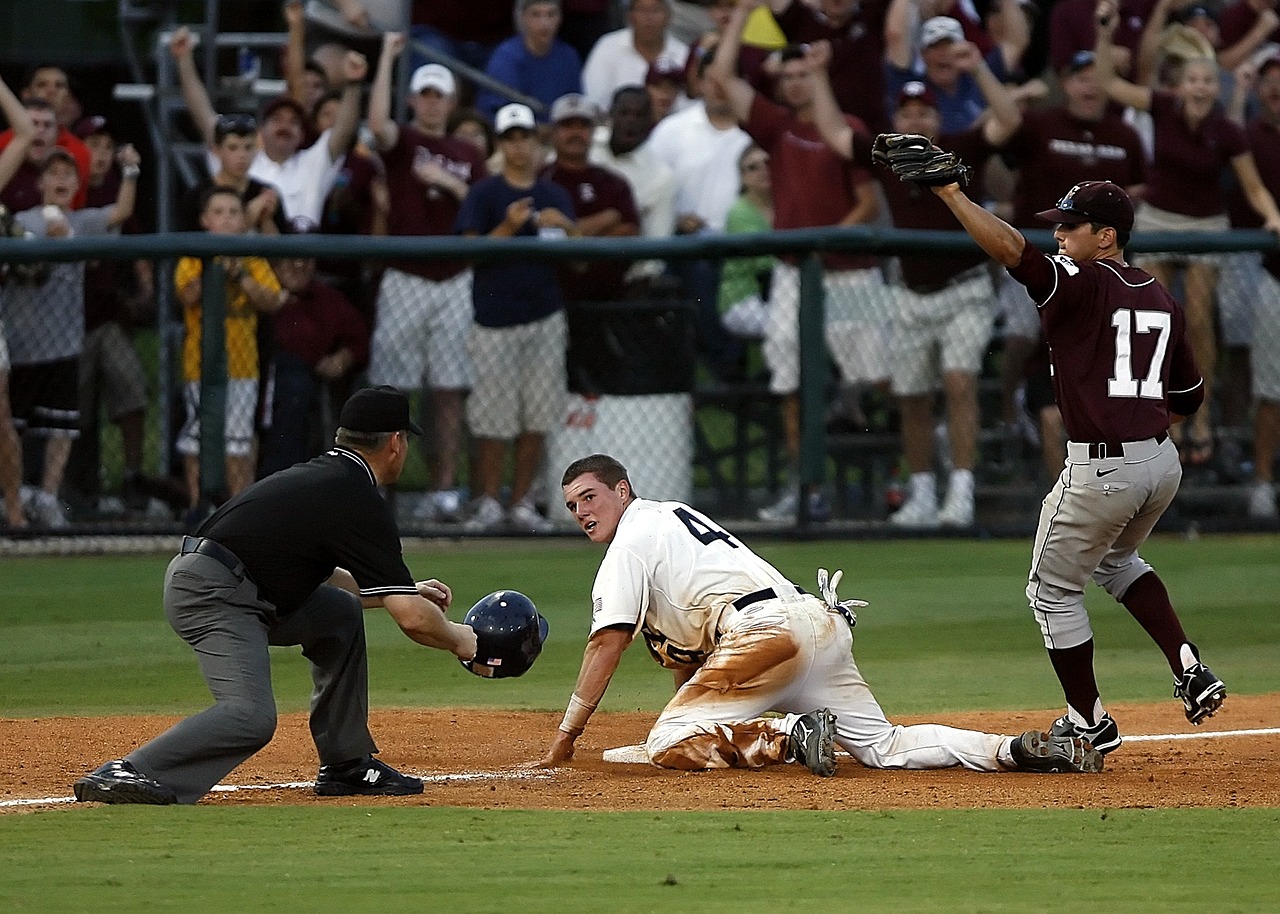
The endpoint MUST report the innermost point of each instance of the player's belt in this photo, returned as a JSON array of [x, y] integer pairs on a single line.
[[1101, 450], [767, 593], [216, 551]]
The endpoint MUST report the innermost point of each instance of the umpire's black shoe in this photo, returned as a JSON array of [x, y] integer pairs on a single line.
[[1042, 752], [1103, 736], [365, 777], [120, 782], [1202, 693]]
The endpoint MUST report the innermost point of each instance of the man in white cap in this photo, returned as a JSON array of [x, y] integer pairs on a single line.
[[424, 306], [520, 334], [948, 63]]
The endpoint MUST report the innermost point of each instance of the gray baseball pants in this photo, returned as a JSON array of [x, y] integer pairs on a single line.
[[227, 623]]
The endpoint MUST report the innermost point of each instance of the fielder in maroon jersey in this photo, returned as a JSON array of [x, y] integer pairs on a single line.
[[1123, 370]]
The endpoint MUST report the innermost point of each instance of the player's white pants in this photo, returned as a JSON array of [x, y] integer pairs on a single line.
[[794, 655]]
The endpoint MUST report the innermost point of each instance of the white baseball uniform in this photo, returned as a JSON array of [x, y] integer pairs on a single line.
[[701, 598]]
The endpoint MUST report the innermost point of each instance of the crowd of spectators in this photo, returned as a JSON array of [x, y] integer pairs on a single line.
[[650, 118]]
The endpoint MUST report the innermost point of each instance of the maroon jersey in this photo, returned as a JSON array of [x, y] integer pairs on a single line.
[[1054, 150], [1186, 165], [418, 209], [1237, 20], [319, 321], [1117, 341], [812, 186], [1264, 143], [857, 55], [593, 190]]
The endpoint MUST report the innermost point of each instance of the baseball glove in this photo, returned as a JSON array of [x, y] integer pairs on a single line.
[[914, 158]]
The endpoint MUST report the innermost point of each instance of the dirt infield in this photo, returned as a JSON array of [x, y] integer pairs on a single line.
[[476, 758]]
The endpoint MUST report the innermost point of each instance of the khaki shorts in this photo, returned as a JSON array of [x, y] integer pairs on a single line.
[[420, 336], [1264, 355], [1021, 316], [1150, 219], [946, 331], [242, 399], [859, 309], [521, 382]]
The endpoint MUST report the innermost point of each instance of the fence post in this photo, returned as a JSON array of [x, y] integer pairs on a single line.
[[813, 381], [213, 379]]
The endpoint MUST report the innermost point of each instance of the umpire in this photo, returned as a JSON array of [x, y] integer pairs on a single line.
[[292, 560]]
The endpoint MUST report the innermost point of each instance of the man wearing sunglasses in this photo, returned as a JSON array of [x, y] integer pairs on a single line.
[[1123, 371]]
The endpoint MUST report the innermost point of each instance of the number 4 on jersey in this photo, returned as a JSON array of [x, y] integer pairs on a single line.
[[1126, 323], [702, 529]]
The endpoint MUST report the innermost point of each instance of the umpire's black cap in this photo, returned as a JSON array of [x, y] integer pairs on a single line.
[[377, 409], [1093, 201]]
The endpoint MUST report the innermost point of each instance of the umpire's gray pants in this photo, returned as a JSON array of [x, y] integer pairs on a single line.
[[229, 625]]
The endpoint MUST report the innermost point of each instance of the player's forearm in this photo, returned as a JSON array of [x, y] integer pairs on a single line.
[[1000, 240]]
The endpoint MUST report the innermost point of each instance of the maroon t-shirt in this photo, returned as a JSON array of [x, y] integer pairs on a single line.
[[1071, 28], [417, 209], [857, 55], [1186, 166], [1236, 20], [916, 207], [812, 186], [1117, 341], [1055, 151], [319, 321], [593, 190], [1264, 143]]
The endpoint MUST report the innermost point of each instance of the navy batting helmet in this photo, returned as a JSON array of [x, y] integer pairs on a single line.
[[509, 634]]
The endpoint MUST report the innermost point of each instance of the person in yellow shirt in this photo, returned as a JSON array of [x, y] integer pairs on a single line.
[[251, 288]]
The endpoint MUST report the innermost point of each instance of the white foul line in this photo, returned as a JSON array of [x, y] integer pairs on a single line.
[[513, 775], [528, 774]]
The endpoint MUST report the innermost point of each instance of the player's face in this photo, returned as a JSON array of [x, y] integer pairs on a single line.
[[1079, 242], [596, 507]]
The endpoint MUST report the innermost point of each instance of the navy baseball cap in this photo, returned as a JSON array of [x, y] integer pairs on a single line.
[[1093, 201], [377, 409]]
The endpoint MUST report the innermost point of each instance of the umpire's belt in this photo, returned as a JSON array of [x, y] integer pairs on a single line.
[[767, 593], [216, 551], [1083, 451]]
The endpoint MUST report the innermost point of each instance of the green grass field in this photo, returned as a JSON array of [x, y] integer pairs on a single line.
[[947, 630]]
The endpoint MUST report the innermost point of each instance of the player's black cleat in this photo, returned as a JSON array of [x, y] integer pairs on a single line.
[[1042, 752], [365, 777], [1202, 693], [1103, 736], [119, 782], [813, 742]]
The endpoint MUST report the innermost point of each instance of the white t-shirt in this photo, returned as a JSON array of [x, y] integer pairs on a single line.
[[614, 62], [652, 183], [303, 180], [671, 573], [704, 160]]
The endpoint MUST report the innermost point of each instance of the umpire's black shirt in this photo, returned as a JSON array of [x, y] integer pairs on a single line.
[[294, 527]]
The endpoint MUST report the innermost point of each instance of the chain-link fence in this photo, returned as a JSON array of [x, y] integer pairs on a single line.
[[813, 398]]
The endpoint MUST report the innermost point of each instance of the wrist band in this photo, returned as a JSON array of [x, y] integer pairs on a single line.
[[130, 171], [576, 715]]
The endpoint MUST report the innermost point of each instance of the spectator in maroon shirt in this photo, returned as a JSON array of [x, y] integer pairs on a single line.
[[1193, 142], [424, 306], [1242, 17], [1174, 21], [945, 305], [1071, 29], [603, 206], [320, 338], [1083, 139], [23, 189], [855, 29], [751, 60]]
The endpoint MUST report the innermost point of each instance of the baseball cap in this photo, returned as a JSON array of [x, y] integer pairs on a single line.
[[377, 409], [940, 28], [283, 101], [916, 91], [433, 76], [574, 105], [510, 117], [58, 154], [1080, 60], [90, 125], [664, 68], [1093, 201]]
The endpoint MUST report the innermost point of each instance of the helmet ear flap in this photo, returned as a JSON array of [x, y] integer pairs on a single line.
[[509, 635]]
